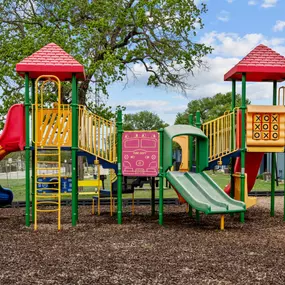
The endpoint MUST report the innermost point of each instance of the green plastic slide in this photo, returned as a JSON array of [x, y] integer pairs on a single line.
[[203, 194]]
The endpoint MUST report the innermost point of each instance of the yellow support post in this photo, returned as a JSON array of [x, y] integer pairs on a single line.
[[96, 162], [222, 224], [93, 206]]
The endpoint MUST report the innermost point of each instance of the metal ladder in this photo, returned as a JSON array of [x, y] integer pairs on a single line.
[[47, 157], [47, 198]]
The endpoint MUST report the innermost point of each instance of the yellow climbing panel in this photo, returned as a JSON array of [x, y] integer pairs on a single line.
[[55, 126]]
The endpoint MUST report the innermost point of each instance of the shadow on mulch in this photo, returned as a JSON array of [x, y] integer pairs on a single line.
[[98, 251]]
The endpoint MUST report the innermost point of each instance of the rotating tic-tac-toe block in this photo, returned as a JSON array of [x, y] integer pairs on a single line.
[[265, 128]]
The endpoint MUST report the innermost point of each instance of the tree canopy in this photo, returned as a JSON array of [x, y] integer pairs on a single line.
[[108, 37], [210, 107], [143, 120]]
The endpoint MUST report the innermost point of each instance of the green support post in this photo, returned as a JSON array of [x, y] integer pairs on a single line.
[[27, 148], [273, 162], [161, 176], [33, 154], [233, 138], [74, 148], [190, 152], [243, 149], [119, 155], [197, 216], [190, 144], [152, 196], [198, 125]]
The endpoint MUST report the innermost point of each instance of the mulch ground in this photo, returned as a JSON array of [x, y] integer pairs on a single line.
[[98, 251]]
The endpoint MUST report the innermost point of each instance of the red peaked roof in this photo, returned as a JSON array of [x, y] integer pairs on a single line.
[[51, 60], [261, 64]]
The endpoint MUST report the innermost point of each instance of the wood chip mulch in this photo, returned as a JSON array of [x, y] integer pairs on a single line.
[[98, 251]]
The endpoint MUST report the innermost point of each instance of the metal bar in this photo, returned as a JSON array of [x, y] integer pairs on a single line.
[[27, 148], [233, 161], [243, 149], [161, 176], [33, 153], [120, 175], [74, 148], [152, 196], [190, 145], [273, 162], [198, 125]]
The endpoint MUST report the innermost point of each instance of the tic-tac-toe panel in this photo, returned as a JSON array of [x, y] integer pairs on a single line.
[[265, 128]]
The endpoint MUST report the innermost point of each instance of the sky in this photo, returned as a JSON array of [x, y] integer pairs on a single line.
[[233, 28]]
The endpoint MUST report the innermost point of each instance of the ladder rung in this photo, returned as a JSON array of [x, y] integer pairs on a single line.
[[45, 196], [48, 154], [48, 162], [45, 182], [47, 168], [47, 202], [46, 147], [47, 211], [49, 175], [47, 189]]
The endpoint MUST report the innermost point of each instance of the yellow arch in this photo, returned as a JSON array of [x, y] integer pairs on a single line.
[[184, 144]]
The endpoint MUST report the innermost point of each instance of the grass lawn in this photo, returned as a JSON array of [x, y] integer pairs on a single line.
[[18, 187], [223, 179]]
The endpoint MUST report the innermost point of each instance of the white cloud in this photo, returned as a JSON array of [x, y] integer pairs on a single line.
[[252, 3], [230, 48], [279, 26], [230, 1], [224, 16], [197, 2], [269, 3], [145, 104], [234, 45]]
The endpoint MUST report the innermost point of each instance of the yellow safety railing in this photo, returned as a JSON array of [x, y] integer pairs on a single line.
[[97, 135], [53, 127], [219, 133]]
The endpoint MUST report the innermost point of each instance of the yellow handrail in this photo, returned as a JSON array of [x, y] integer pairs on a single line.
[[219, 132], [97, 135]]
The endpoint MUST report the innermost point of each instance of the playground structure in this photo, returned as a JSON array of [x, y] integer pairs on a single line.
[[238, 137]]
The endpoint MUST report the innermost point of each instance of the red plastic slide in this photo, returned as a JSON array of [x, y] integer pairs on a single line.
[[252, 161], [252, 164], [13, 135]]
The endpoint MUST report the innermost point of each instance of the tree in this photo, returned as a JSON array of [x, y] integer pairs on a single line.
[[143, 120], [210, 107], [108, 37]]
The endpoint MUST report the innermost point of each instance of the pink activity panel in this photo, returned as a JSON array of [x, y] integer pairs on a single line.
[[140, 153]]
